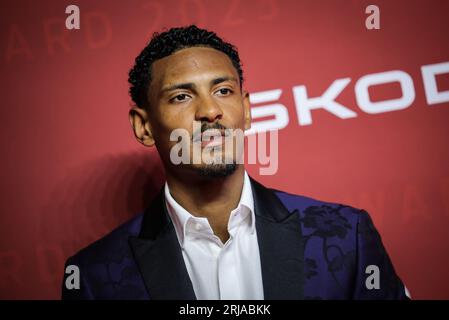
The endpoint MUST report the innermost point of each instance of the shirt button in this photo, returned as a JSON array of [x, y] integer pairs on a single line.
[[198, 227]]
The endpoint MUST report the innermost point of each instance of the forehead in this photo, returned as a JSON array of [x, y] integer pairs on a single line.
[[191, 64]]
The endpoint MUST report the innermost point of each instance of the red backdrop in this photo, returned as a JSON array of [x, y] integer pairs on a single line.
[[71, 170]]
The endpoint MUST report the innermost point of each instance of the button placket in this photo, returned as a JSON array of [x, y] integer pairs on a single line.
[[227, 273]]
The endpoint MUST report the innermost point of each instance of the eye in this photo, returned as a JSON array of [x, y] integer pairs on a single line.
[[224, 91], [179, 98]]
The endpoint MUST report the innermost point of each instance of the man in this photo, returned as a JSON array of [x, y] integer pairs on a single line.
[[213, 232]]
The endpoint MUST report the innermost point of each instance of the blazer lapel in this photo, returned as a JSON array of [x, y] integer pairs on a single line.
[[280, 245], [159, 257]]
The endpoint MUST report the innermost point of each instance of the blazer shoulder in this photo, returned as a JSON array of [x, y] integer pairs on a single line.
[[106, 267], [306, 204], [111, 246]]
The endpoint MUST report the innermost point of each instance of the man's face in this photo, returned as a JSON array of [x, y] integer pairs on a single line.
[[196, 85]]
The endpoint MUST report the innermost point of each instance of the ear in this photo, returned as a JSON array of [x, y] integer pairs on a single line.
[[247, 109], [140, 124]]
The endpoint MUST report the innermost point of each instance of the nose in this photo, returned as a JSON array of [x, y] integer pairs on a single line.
[[208, 110]]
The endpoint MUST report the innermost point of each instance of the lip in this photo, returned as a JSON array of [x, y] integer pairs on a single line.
[[213, 142], [209, 138]]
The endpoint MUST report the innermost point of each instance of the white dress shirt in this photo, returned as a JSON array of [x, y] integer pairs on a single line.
[[220, 271]]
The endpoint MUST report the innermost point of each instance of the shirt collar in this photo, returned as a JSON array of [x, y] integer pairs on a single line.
[[180, 216], [247, 200]]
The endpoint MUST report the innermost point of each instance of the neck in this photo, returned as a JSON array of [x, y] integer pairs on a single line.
[[212, 198]]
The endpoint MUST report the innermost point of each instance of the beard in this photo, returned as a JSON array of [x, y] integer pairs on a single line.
[[219, 168], [216, 170]]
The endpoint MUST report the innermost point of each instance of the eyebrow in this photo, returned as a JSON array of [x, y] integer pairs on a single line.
[[191, 86]]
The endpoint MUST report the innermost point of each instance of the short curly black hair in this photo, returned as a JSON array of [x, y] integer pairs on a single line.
[[166, 43]]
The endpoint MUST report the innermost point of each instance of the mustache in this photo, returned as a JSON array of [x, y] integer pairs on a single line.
[[206, 126]]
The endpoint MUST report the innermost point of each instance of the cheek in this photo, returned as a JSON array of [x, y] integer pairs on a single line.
[[236, 114], [179, 120], [170, 121]]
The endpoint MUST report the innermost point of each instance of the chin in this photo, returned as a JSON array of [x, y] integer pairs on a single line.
[[216, 170]]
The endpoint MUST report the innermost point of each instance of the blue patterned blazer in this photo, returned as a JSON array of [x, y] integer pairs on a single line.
[[309, 249]]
